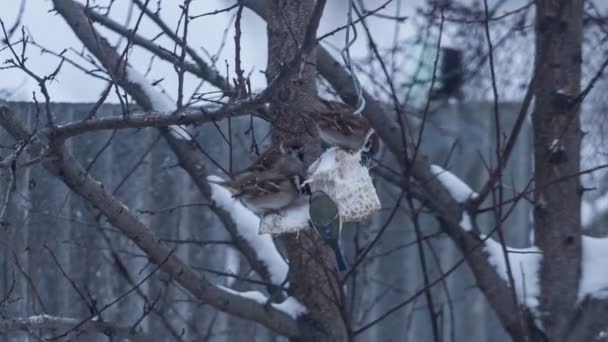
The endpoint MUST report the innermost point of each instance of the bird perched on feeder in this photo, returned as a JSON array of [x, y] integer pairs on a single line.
[[272, 182], [338, 125], [325, 219]]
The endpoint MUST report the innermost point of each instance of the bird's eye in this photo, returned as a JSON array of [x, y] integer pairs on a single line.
[[301, 155]]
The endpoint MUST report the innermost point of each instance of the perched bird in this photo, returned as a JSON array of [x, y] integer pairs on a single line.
[[264, 192], [338, 125], [286, 159], [325, 218], [272, 182]]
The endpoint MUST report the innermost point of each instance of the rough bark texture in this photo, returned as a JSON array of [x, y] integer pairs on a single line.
[[312, 272], [557, 139]]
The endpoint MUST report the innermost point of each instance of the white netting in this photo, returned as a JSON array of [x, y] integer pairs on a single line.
[[339, 174]]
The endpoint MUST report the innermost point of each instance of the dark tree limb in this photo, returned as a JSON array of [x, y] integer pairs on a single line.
[[557, 146], [45, 322]]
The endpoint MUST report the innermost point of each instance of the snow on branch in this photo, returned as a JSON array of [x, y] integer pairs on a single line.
[[247, 224], [594, 275], [525, 265], [458, 189], [465, 222], [75, 326], [290, 306], [159, 100]]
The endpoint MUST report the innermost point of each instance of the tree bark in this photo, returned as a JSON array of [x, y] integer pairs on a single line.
[[312, 272], [557, 139]]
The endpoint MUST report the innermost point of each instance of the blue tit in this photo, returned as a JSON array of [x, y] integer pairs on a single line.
[[326, 220]]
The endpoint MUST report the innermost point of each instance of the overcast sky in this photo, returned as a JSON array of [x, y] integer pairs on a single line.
[[72, 85]]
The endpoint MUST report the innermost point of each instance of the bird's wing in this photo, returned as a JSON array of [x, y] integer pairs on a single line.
[[345, 123], [265, 161], [262, 186]]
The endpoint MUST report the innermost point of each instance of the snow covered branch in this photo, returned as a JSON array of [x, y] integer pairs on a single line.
[[75, 326], [525, 265], [290, 306], [247, 224], [459, 190]]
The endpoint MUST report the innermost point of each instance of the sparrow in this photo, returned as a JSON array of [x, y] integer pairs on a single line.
[[263, 192], [326, 220], [272, 182], [338, 125], [286, 159]]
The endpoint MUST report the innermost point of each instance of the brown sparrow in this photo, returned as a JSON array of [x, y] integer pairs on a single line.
[[263, 192], [273, 181], [286, 159], [339, 126]]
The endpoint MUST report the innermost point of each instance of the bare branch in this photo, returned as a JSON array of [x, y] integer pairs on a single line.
[[46, 322], [155, 119], [66, 168], [190, 158]]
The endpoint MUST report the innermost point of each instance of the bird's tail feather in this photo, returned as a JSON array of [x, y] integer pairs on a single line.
[[340, 261]]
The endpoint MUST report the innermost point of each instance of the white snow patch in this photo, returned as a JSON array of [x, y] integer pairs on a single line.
[[458, 189], [160, 101], [247, 224], [290, 305], [291, 219], [594, 275], [465, 222], [525, 265], [39, 319], [256, 296], [231, 265], [592, 211]]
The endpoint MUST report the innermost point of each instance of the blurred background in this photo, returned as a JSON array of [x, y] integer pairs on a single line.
[[60, 257]]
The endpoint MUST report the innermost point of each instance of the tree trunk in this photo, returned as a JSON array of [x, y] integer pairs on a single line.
[[557, 139], [312, 272]]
